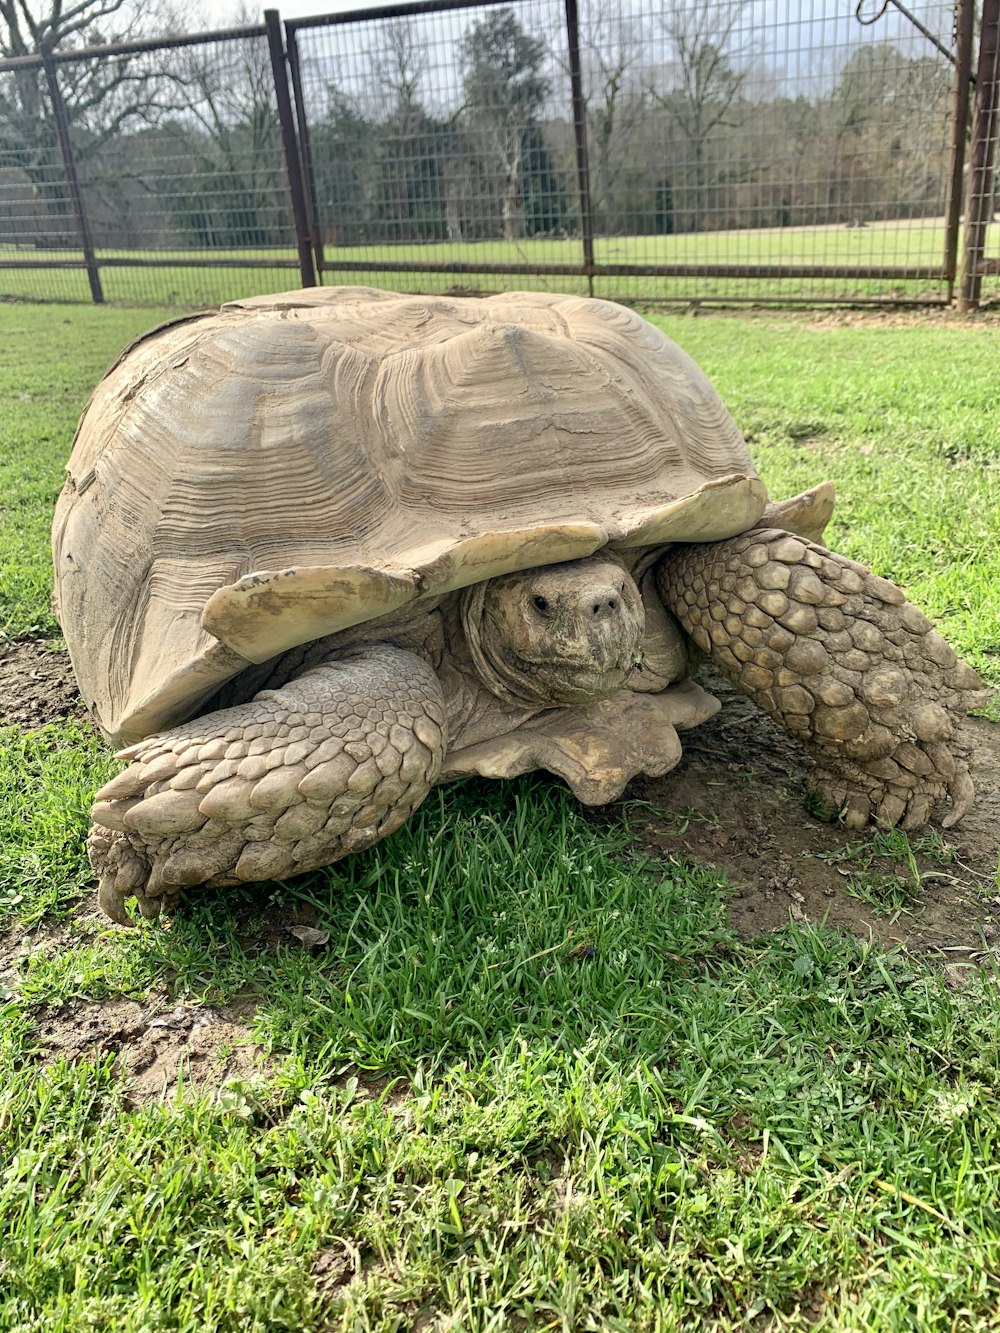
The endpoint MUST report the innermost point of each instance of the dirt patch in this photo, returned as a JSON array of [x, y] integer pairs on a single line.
[[335, 1267], [737, 802], [36, 684], [161, 1050], [162, 1047]]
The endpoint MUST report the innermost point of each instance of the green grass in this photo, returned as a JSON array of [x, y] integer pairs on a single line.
[[187, 288], [892, 892], [40, 865], [666, 1130], [895, 244], [532, 1080], [53, 357]]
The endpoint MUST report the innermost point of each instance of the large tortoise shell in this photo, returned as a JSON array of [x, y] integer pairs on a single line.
[[292, 465]]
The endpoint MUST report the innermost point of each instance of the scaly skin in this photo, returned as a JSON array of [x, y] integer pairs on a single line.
[[338, 757], [295, 779], [841, 659]]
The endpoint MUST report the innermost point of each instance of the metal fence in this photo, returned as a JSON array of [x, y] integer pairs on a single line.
[[651, 150]]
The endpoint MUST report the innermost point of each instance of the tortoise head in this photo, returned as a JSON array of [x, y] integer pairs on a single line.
[[560, 634]]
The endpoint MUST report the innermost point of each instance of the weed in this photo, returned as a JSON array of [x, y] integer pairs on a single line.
[[889, 894], [676, 822]]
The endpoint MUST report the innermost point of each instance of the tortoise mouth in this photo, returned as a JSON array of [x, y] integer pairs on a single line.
[[584, 685], [567, 634]]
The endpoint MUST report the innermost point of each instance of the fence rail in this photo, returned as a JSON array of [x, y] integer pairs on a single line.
[[650, 150]]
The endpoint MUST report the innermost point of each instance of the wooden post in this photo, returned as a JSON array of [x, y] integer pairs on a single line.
[[982, 164], [295, 70], [580, 132], [965, 16]]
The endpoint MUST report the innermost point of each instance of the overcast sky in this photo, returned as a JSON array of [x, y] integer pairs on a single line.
[[221, 13], [774, 13], [802, 42]]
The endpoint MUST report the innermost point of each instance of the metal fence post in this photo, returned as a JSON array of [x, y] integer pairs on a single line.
[[979, 206], [289, 143], [295, 71], [965, 17], [69, 166], [580, 132]]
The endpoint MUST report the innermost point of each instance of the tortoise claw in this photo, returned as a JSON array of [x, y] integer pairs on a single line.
[[111, 901], [963, 794]]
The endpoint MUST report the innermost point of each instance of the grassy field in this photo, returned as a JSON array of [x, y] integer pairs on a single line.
[[532, 1079], [919, 242]]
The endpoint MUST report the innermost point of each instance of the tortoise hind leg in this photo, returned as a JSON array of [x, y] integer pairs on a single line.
[[298, 777], [841, 659]]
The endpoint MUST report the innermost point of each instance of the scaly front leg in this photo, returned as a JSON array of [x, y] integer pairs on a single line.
[[295, 779], [841, 659]]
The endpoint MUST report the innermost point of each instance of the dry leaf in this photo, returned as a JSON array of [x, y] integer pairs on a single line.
[[309, 937]]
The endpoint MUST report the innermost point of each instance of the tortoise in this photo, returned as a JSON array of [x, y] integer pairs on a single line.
[[319, 551]]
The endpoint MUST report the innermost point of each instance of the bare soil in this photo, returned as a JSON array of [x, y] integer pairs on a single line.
[[162, 1050], [162, 1047], [735, 803], [36, 684], [165, 1049]]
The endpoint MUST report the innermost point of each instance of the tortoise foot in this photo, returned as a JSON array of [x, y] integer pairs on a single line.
[[293, 780], [840, 658]]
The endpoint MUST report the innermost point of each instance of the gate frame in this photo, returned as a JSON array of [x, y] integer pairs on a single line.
[[49, 59]]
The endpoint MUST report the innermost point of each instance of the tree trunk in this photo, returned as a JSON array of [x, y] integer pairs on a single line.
[[512, 206]]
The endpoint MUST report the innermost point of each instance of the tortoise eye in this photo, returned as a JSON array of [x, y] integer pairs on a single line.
[[540, 603]]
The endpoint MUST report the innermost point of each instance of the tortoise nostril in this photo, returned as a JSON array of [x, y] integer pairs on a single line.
[[602, 606]]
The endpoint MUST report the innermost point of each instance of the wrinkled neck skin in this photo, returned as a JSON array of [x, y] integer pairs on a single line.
[[559, 636], [432, 630]]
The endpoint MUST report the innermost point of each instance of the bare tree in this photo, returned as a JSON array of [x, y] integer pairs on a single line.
[[229, 190], [102, 97], [868, 168], [505, 91], [410, 190], [616, 105], [706, 72], [399, 68], [25, 28]]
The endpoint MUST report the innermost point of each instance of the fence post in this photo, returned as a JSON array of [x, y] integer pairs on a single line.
[[69, 166], [295, 70], [290, 145], [580, 132], [979, 206], [965, 17]]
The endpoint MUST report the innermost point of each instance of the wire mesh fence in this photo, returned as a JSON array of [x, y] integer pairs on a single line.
[[787, 143], [178, 158], [638, 149], [441, 146], [735, 150]]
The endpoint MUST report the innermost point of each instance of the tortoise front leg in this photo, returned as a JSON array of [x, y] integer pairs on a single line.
[[841, 659], [295, 779]]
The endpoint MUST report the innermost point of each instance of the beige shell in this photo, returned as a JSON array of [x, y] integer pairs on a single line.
[[245, 481]]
